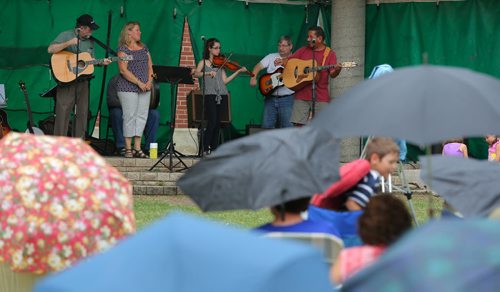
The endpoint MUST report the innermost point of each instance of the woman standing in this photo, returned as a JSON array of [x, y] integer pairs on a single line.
[[134, 87], [215, 92]]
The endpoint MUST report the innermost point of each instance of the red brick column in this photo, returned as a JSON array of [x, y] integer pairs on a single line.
[[186, 60]]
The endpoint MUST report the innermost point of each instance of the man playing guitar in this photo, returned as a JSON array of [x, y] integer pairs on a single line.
[[323, 55], [278, 104], [78, 90]]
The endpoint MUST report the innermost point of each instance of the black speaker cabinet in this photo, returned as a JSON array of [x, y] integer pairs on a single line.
[[194, 105]]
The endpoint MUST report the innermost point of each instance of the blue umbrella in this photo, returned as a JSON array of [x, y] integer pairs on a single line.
[[185, 253], [444, 255]]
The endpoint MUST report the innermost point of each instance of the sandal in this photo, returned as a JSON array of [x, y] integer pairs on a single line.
[[128, 153], [139, 154]]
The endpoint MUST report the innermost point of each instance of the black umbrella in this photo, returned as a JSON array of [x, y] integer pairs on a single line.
[[264, 170], [423, 104], [470, 186]]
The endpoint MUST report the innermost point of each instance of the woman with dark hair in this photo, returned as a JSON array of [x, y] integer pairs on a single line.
[[384, 221], [215, 92]]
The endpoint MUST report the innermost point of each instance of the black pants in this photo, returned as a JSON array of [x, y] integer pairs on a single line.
[[213, 112]]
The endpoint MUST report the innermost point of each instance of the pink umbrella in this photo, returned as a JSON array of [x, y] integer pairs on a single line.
[[60, 202]]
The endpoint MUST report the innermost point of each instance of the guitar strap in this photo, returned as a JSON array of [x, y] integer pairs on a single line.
[[325, 55], [103, 45]]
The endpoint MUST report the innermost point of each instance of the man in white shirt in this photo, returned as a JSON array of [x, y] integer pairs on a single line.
[[278, 105]]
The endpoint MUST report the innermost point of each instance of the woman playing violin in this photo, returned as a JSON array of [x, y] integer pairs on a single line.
[[215, 91]]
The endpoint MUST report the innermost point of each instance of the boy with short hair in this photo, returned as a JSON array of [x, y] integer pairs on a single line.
[[383, 154]]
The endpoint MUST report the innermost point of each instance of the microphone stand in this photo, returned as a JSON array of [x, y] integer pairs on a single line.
[[313, 97], [203, 123], [73, 126]]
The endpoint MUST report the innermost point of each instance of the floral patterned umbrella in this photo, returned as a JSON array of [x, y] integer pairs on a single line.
[[60, 201]]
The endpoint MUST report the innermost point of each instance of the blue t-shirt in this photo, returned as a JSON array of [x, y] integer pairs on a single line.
[[304, 226]]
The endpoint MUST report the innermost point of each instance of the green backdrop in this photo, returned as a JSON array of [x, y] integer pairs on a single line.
[[463, 34], [28, 26]]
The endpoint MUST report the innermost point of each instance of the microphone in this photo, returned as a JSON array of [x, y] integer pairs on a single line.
[[313, 40], [202, 37]]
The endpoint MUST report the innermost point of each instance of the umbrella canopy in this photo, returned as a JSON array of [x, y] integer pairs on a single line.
[[185, 253], [470, 186], [264, 170], [60, 201], [423, 104], [444, 255]]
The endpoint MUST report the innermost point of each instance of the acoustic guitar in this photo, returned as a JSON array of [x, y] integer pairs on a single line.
[[4, 124], [269, 82], [31, 126], [299, 73], [64, 65]]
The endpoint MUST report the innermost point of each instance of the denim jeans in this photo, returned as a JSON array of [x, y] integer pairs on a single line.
[[150, 131], [277, 109]]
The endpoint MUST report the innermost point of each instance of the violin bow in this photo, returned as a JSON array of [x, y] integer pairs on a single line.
[[223, 64]]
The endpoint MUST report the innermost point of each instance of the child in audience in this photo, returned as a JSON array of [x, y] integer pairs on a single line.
[[494, 147], [385, 219], [288, 218], [383, 155], [455, 147]]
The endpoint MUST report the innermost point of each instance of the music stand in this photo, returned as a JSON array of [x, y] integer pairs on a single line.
[[173, 76]]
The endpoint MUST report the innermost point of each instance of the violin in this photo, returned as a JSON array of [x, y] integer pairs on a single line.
[[223, 62]]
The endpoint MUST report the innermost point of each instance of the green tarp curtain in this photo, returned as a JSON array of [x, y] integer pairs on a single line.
[[28, 26], [462, 34], [465, 34]]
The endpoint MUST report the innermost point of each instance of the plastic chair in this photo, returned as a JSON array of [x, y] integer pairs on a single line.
[[14, 281], [328, 244]]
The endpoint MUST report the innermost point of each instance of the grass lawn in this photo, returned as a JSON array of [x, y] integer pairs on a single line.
[[150, 208]]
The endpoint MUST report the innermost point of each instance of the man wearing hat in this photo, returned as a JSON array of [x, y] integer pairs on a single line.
[[77, 90]]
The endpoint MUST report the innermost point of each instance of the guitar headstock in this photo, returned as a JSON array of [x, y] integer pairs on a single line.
[[127, 58], [350, 64]]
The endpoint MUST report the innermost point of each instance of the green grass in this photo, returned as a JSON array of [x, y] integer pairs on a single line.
[[150, 208]]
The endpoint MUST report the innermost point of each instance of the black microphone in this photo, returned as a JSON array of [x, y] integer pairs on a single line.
[[202, 37], [313, 40]]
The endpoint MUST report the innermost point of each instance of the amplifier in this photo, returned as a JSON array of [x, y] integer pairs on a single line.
[[194, 105]]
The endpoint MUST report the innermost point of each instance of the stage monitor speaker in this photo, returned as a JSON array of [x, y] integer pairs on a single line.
[[194, 104]]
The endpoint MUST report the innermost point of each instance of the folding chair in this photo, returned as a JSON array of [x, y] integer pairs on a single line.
[[328, 244]]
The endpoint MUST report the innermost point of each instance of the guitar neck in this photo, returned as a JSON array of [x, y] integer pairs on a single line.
[[100, 61], [321, 68]]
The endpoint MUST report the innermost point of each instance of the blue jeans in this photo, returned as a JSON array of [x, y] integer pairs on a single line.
[[277, 109], [150, 131]]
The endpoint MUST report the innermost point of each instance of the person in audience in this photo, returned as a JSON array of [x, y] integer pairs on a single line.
[[116, 118], [288, 218], [384, 221], [455, 147], [383, 155], [493, 148]]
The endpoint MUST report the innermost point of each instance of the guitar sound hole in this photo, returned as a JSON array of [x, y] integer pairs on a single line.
[[81, 64]]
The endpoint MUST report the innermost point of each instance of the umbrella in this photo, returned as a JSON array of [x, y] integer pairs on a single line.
[[423, 104], [444, 255], [186, 253], [470, 186], [264, 170], [60, 201]]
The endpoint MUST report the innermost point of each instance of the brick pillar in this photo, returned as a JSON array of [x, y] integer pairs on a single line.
[[186, 60]]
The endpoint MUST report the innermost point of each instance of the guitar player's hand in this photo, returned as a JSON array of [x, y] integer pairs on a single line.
[[253, 81], [106, 61]]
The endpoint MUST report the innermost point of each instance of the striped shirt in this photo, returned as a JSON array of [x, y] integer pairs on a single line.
[[365, 189]]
